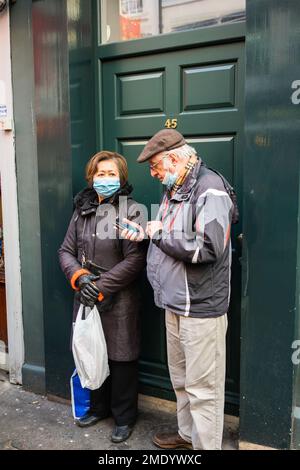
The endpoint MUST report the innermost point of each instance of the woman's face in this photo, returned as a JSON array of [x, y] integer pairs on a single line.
[[106, 169]]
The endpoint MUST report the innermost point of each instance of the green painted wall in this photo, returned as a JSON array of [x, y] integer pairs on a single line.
[[50, 48], [295, 440], [271, 207], [33, 372], [44, 174]]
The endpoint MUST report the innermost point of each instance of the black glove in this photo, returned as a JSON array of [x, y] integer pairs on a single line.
[[89, 294], [85, 279], [85, 302]]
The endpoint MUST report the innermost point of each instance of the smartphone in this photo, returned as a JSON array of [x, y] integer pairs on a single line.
[[122, 226]]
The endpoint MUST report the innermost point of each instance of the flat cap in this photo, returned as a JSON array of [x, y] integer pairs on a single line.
[[167, 139]]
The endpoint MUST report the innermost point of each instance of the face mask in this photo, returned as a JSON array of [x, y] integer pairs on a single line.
[[170, 178], [106, 187]]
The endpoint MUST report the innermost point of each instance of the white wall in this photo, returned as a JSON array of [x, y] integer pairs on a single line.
[[10, 209]]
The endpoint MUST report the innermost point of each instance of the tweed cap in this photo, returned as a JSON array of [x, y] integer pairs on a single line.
[[166, 139]]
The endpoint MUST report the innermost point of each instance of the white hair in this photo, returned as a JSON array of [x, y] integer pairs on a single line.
[[183, 152]]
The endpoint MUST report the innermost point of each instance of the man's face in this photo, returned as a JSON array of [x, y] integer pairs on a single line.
[[157, 165]]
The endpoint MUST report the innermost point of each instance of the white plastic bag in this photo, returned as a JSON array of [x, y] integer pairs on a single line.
[[89, 348]]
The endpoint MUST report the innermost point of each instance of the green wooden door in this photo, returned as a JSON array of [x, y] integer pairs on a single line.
[[202, 88]]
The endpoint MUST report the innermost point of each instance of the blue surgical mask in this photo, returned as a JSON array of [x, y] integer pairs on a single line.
[[106, 187], [170, 179]]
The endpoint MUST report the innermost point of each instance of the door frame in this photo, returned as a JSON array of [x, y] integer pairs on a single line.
[[170, 41], [11, 218]]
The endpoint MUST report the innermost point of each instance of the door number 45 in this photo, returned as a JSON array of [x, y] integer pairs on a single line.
[[171, 123]]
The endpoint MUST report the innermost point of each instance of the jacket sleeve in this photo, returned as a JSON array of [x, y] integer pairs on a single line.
[[67, 253], [211, 223], [125, 272]]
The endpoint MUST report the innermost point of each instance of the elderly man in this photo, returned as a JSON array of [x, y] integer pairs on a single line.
[[188, 266]]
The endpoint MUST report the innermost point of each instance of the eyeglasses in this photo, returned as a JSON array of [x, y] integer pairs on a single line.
[[153, 165]]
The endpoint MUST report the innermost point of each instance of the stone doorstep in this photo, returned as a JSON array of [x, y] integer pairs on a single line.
[[147, 402], [244, 445]]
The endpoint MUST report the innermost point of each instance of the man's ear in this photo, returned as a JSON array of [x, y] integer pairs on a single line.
[[173, 158]]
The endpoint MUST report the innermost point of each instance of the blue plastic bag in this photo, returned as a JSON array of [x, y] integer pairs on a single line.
[[80, 397]]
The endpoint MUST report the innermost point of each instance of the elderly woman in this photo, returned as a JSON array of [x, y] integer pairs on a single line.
[[103, 269]]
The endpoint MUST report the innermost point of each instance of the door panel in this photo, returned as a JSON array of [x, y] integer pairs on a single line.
[[132, 98], [146, 189], [203, 89], [208, 87]]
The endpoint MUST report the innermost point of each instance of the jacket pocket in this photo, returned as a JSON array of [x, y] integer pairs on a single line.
[[200, 280]]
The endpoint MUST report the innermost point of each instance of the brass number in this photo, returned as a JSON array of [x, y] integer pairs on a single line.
[[171, 123]]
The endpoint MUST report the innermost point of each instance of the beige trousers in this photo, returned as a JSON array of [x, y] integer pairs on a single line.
[[196, 358]]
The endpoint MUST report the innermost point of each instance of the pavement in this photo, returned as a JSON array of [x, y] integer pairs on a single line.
[[33, 422]]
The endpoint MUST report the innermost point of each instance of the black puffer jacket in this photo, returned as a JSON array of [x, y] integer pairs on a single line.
[[91, 234]]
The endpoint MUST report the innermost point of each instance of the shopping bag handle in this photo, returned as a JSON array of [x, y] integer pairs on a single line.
[[83, 313]]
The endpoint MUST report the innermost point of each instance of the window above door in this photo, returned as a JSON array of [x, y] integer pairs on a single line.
[[124, 20]]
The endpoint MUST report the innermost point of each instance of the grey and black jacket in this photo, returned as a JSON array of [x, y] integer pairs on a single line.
[[189, 262]]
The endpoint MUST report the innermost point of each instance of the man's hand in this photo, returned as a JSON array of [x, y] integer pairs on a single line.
[[133, 236], [153, 228]]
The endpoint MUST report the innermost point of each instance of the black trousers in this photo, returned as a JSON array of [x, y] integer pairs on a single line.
[[119, 393]]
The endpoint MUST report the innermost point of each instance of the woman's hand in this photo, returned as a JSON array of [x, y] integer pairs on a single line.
[[85, 279], [89, 295], [136, 235]]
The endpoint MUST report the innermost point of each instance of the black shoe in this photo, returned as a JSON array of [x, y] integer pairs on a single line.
[[121, 433], [89, 420]]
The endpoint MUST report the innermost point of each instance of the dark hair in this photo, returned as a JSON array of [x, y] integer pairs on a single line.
[[120, 161]]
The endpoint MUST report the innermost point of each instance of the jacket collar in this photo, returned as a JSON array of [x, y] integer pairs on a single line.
[[86, 201], [184, 192]]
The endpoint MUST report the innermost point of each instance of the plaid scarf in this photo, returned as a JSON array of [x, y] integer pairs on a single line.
[[187, 169]]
